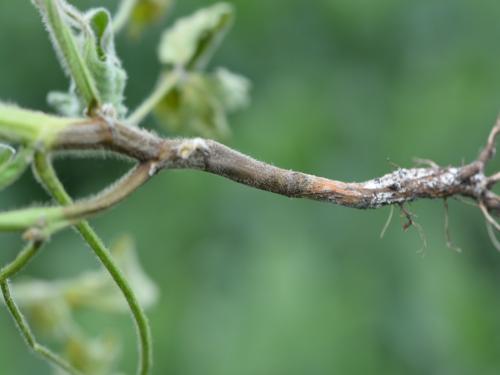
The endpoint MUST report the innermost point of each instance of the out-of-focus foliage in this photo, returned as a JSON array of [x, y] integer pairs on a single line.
[[52, 305], [147, 12], [198, 105], [200, 101], [254, 283]]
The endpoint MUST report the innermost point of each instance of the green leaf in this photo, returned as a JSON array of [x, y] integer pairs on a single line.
[[15, 166], [147, 12], [85, 46], [192, 108], [60, 18], [192, 40], [232, 89], [200, 103], [6, 154], [100, 55]]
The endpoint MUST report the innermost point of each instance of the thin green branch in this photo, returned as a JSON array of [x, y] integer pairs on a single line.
[[166, 83], [48, 220], [53, 185], [21, 260], [28, 335]]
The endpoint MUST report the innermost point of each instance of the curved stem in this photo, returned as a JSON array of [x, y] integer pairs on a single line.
[[45, 221], [28, 336], [21, 260], [51, 182], [166, 83], [10, 270]]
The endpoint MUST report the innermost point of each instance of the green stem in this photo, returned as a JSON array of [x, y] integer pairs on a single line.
[[48, 220], [52, 183], [18, 125], [167, 82], [10, 270], [28, 335], [123, 14], [21, 260]]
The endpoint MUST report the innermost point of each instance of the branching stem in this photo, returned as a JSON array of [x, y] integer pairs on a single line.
[[51, 182]]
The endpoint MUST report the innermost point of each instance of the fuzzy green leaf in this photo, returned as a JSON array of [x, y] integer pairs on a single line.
[[200, 103], [6, 154], [85, 46], [60, 18], [232, 89], [15, 166], [192, 40], [100, 55]]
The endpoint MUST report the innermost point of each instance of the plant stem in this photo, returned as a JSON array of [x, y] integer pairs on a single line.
[[21, 260], [48, 177], [18, 125], [30, 250], [48, 220], [165, 84], [30, 339]]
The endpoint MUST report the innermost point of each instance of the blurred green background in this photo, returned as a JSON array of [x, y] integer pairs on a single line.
[[253, 283]]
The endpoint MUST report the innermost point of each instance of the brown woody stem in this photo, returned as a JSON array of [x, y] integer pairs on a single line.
[[400, 186]]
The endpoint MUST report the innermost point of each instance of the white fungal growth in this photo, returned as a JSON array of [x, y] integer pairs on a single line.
[[189, 147], [379, 199], [397, 178]]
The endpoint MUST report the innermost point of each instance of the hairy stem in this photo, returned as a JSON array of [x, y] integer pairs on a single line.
[[48, 220], [21, 260], [51, 182]]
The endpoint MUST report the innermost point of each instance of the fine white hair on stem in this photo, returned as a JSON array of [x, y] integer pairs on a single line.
[[449, 242], [387, 223]]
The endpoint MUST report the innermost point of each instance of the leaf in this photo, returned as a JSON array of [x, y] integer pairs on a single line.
[[96, 289], [193, 108], [85, 46], [92, 356], [200, 103], [6, 154], [146, 12], [13, 167], [100, 55], [232, 89], [192, 40], [59, 18], [93, 289]]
